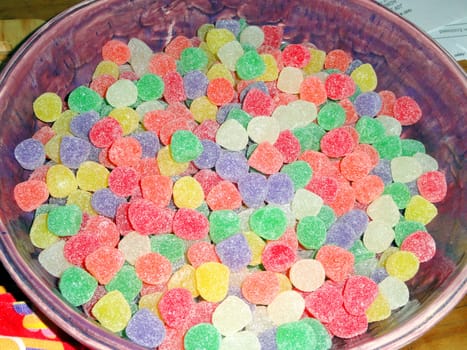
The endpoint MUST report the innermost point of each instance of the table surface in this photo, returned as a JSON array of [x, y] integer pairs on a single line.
[[19, 18]]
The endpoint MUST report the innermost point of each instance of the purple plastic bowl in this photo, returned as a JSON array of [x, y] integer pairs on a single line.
[[63, 53]]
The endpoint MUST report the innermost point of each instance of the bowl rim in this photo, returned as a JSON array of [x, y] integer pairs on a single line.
[[42, 298]]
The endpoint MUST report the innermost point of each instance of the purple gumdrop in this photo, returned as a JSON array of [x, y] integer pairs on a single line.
[[413, 188], [105, 202], [224, 111], [149, 142], [383, 170], [231, 166], [145, 329], [352, 66], [280, 189], [253, 188], [195, 84], [258, 85], [229, 24], [82, 123], [341, 235], [30, 154], [357, 219], [267, 339], [94, 153], [368, 104], [234, 252], [379, 274], [74, 151], [208, 158]]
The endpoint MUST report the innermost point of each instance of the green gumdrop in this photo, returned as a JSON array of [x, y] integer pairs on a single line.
[[311, 232], [193, 58], [126, 282], [399, 192], [323, 340], [369, 129], [77, 286], [83, 99], [331, 116], [388, 147], [360, 252], [150, 87], [223, 224], [411, 147], [405, 228], [65, 220], [168, 245], [268, 222], [295, 336], [240, 116], [185, 146], [250, 65], [299, 172], [309, 136], [326, 213], [202, 336]]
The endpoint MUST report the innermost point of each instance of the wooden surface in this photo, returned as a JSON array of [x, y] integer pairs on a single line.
[[18, 18]]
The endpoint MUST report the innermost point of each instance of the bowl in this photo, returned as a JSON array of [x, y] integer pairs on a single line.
[[62, 55]]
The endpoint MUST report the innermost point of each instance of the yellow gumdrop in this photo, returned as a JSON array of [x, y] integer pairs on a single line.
[[187, 193], [402, 265], [203, 109], [112, 311], [256, 245], [47, 107], [184, 277], [168, 166], [421, 210], [92, 176], [203, 30], [60, 181], [106, 68], [218, 37], [62, 125], [219, 70], [52, 148], [272, 72], [39, 233], [82, 199], [127, 117], [284, 282], [212, 281], [385, 255], [150, 301], [316, 62], [378, 310], [211, 57], [365, 77]]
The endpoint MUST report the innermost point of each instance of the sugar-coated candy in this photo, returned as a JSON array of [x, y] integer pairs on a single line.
[[337, 262], [112, 311], [234, 252], [168, 245], [324, 302], [104, 263], [212, 281], [224, 196], [420, 210], [30, 154], [146, 329], [185, 146], [345, 325], [190, 224], [47, 107], [402, 264], [395, 291], [134, 245], [322, 338], [174, 306], [231, 316], [331, 116], [223, 224], [307, 275], [53, 260], [61, 181], [311, 232], [64, 220], [306, 203], [278, 257], [359, 293], [30, 194], [126, 281], [203, 335], [286, 307], [232, 135], [153, 268], [294, 335], [432, 186], [280, 189], [378, 310], [244, 340], [231, 166], [268, 222], [250, 65], [76, 285], [421, 244], [299, 172], [105, 202], [253, 188], [260, 287]]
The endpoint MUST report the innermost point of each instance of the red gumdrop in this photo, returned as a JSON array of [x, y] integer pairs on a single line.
[[105, 131], [174, 90], [207, 130], [116, 51], [162, 64], [180, 110], [157, 188], [146, 218], [272, 35], [358, 294], [79, 246], [175, 47], [121, 219], [406, 110], [324, 186], [278, 257], [421, 244], [44, 134], [104, 263], [345, 325], [337, 143], [266, 158], [319, 162], [207, 178], [190, 224], [200, 313], [128, 75], [168, 129], [104, 158], [370, 151], [123, 180], [288, 145], [155, 120], [339, 86], [355, 165], [324, 302], [224, 196], [387, 102], [345, 199], [432, 186], [220, 91], [368, 188], [200, 253], [313, 90], [337, 59], [101, 83], [295, 55], [337, 262], [260, 287], [258, 103], [125, 151], [289, 237], [104, 229], [153, 268], [147, 166], [40, 173], [175, 306], [351, 116], [29, 195]]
